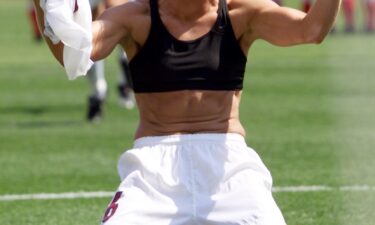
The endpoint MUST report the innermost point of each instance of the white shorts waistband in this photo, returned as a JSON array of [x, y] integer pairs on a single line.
[[182, 138]]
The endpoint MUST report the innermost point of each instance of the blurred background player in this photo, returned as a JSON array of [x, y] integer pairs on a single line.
[[368, 6], [369, 15], [96, 74], [31, 15], [348, 10]]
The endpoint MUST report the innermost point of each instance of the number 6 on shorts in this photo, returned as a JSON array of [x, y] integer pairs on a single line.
[[112, 207]]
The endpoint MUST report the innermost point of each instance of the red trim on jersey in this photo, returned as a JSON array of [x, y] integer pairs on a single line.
[[76, 6]]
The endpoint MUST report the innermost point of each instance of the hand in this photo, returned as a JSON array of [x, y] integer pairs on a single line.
[[72, 31]]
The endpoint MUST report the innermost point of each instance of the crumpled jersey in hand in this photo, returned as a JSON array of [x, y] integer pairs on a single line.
[[73, 29]]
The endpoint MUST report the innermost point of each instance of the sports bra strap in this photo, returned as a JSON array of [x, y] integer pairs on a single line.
[[155, 16], [221, 21]]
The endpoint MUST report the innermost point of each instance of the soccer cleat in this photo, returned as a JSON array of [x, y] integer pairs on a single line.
[[94, 113], [369, 29], [126, 96], [349, 29], [38, 38]]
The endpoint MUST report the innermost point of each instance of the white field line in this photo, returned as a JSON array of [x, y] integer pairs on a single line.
[[49, 196], [106, 194], [321, 188]]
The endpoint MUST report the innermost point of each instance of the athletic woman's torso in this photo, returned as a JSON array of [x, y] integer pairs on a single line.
[[185, 111]]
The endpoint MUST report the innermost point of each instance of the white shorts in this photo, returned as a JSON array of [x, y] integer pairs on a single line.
[[199, 179]]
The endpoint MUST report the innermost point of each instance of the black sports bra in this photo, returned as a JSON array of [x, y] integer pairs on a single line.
[[214, 61]]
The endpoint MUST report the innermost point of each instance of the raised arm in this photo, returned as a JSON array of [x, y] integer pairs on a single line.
[[285, 26], [56, 49], [107, 32]]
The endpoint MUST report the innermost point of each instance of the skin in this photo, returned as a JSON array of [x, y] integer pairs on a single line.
[[200, 111], [112, 3], [105, 4]]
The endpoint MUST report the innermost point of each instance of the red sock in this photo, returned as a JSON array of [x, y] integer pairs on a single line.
[[306, 5], [34, 23], [348, 7], [370, 6]]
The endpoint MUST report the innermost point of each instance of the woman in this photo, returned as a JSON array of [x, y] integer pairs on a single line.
[[190, 164]]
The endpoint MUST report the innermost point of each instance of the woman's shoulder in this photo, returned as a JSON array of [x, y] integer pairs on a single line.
[[129, 13], [252, 6], [130, 9]]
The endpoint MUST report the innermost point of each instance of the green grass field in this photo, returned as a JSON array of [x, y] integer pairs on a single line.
[[308, 111]]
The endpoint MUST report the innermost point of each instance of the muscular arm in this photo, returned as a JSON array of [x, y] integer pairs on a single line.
[[107, 33], [57, 50], [285, 26]]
